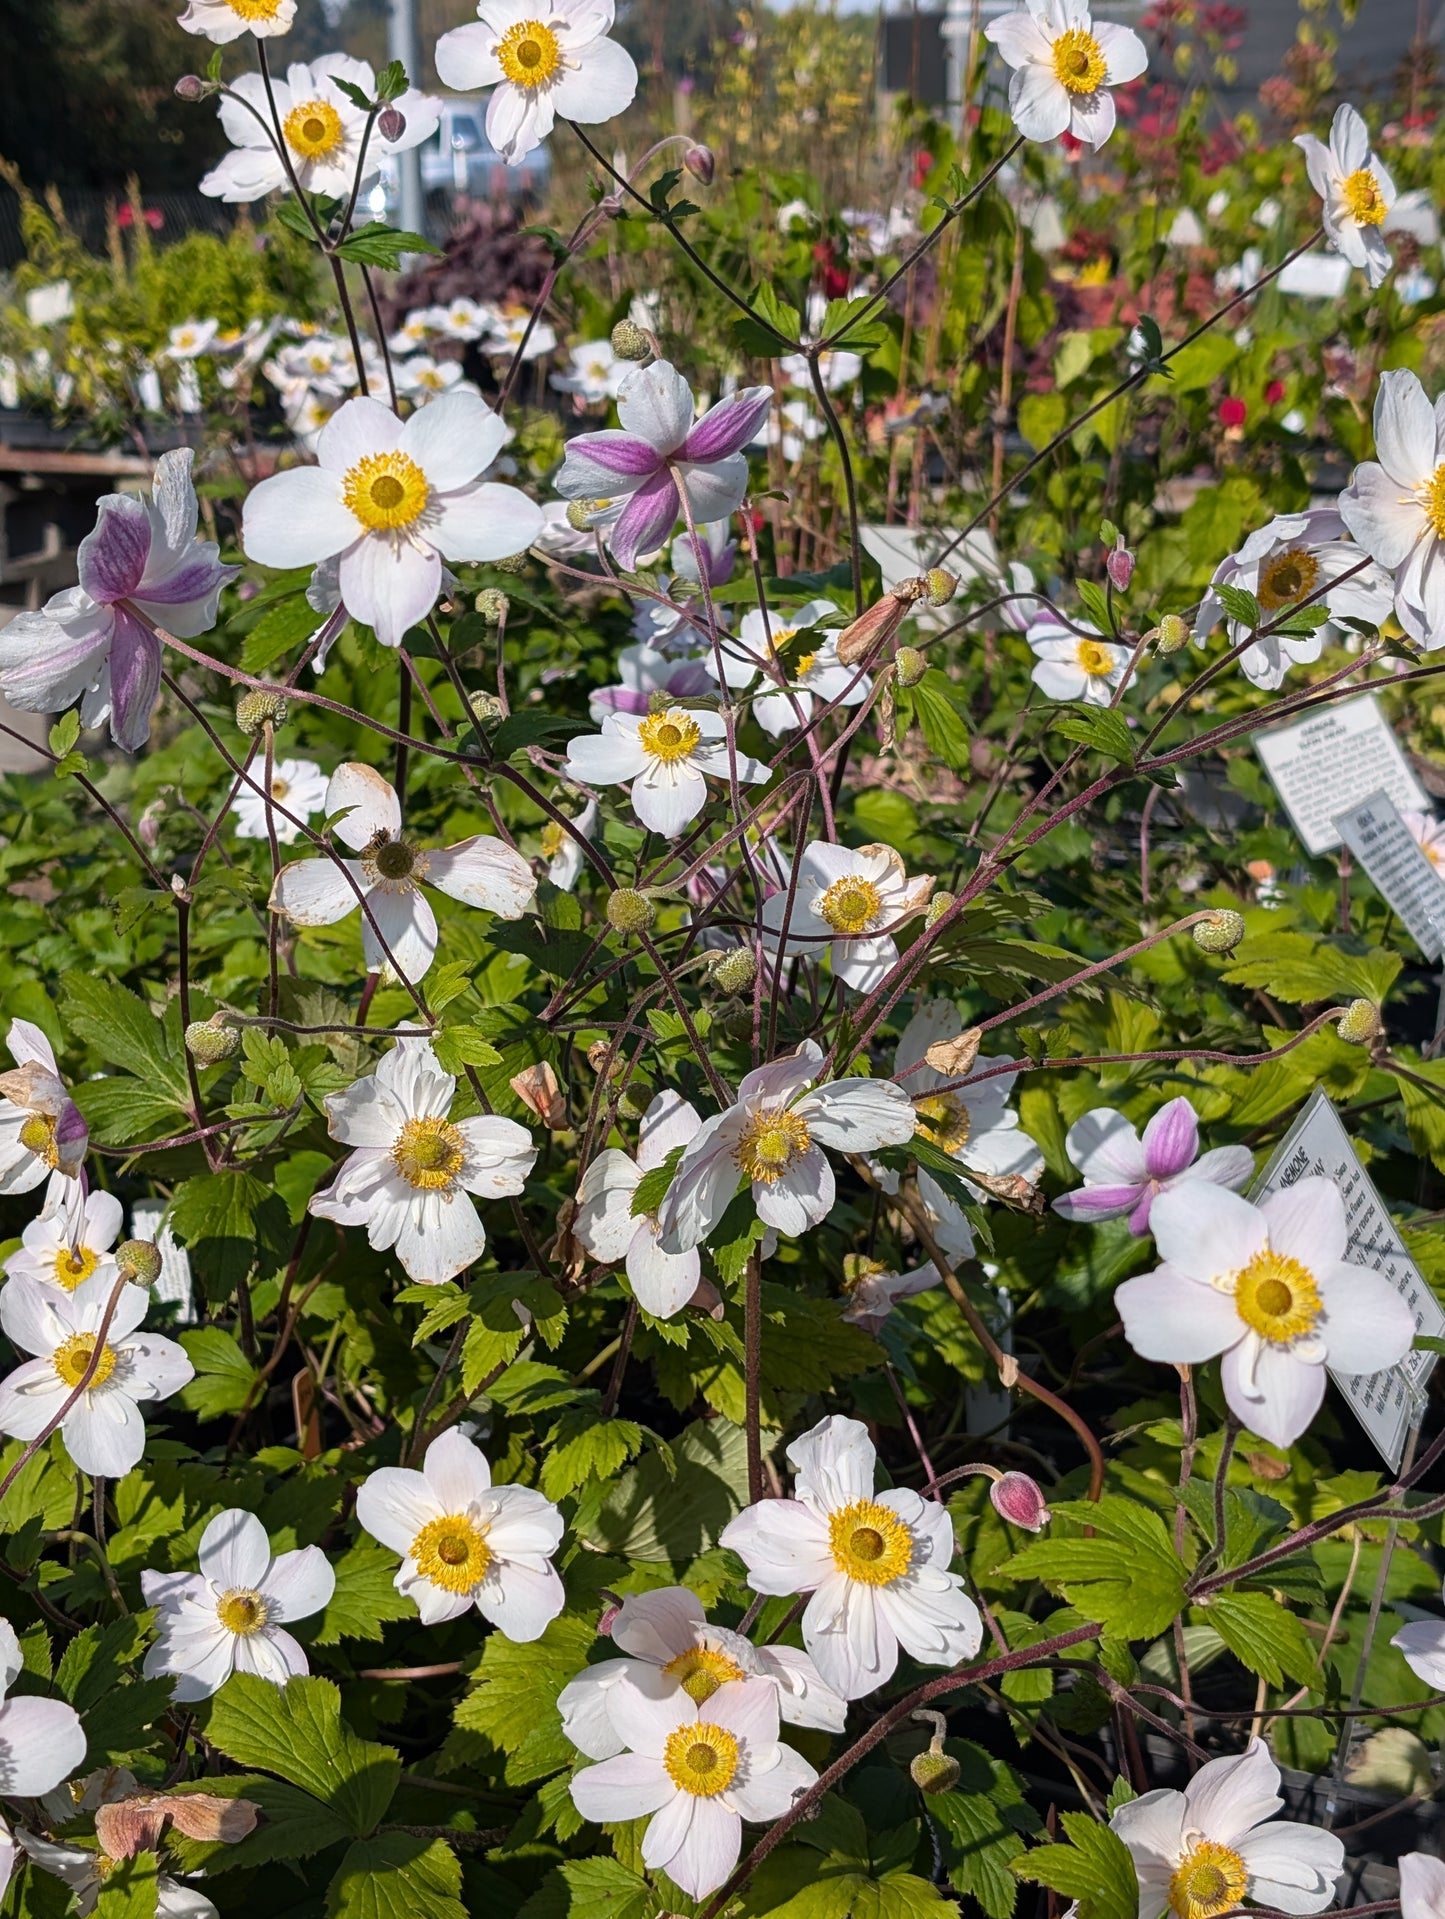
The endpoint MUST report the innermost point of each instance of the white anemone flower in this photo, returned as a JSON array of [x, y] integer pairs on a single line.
[[1074, 665], [1270, 1288], [465, 1542], [1297, 556], [665, 759], [414, 332], [323, 129], [873, 1290], [560, 849], [228, 1617], [544, 58], [662, 1283], [394, 500], [72, 1239], [850, 900], [838, 368], [1422, 1641], [699, 1771], [103, 1431], [772, 1141], [480, 872], [756, 656], [42, 1130], [411, 1168], [86, 1870], [41, 1742], [190, 339], [596, 373], [1395, 503], [1428, 834], [422, 379], [1422, 1886], [1064, 65], [1204, 1851], [1124, 1174], [298, 785], [1356, 189], [226, 20], [669, 1648], [876, 1564]]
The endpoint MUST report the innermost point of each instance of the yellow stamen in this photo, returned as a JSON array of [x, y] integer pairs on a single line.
[[1286, 578], [1079, 63], [701, 1759], [280, 788], [948, 1121], [255, 9], [452, 1553], [1432, 497], [37, 1135], [71, 1360], [701, 1670], [1277, 1297], [851, 905], [1095, 657], [1208, 1880], [771, 1144], [73, 1266], [869, 1543], [552, 837], [1363, 199], [386, 491], [313, 129], [669, 736], [529, 53], [242, 1610], [429, 1153]]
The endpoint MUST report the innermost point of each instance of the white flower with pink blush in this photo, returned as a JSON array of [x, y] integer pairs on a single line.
[[1124, 1174], [662, 1283], [1422, 1886], [42, 1130], [1428, 834]]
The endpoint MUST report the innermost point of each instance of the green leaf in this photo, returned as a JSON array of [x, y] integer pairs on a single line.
[[292, 216], [124, 1031], [1103, 728], [652, 1188], [513, 1705], [1096, 604], [377, 245], [587, 1445], [224, 1219], [397, 1875], [130, 1889], [858, 324], [1263, 1635], [224, 1376], [599, 1888], [775, 328], [64, 733], [297, 1732], [293, 1824], [1095, 1868], [1240, 605], [125, 1112], [1300, 968], [1128, 1576], [521, 730], [365, 1597], [983, 1821], [96, 1660], [392, 81], [460, 1046], [279, 629], [650, 1514]]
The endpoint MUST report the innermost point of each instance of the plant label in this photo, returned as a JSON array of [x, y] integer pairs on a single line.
[[1337, 758], [1405, 879]]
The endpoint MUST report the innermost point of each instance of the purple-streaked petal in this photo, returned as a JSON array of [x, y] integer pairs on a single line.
[[113, 557], [1171, 1139], [646, 520], [135, 680], [727, 427], [1098, 1202], [622, 454], [202, 575]]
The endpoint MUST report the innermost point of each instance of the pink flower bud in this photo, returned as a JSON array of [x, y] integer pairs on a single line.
[[1119, 565], [605, 1623], [1020, 1501], [390, 124], [191, 86], [700, 163]]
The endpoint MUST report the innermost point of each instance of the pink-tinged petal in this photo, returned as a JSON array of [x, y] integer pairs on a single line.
[[390, 588], [716, 490], [1231, 1166], [112, 559], [1171, 1139], [1174, 1320], [1098, 1202], [1107, 1149], [655, 405], [1273, 1393], [601, 465], [646, 520], [47, 664], [135, 680], [728, 427]]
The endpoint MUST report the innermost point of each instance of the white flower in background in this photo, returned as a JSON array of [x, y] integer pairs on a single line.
[[1395, 504], [596, 373], [414, 332], [1074, 665], [793, 427], [1356, 189], [1422, 1886], [669, 1648], [559, 537], [50, 304], [421, 378], [1124, 1174], [325, 365], [796, 216], [849, 901], [1064, 64], [876, 1563], [322, 128], [510, 335], [872, 1291], [772, 1140], [561, 851], [410, 1172], [71, 1240], [298, 785], [1422, 1641], [86, 1870], [665, 760], [699, 1770], [662, 1283], [1204, 1851], [42, 1130], [1297, 556], [465, 1542], [759, 651], [41, 1743], [482, 872], [190, 339], [460, 319], [1428, 834], [103, 1431], [838, 368], [544, 58], [228, 1617], [393, 500], [226, 20], [1271, 1289], [816, 676]]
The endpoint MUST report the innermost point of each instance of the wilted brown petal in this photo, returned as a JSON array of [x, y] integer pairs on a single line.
[[955, 1056]]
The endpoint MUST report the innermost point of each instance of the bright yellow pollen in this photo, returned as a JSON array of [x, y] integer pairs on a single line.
[[869, 1543], [1095, 657], [1079, 63], [255, 9], [71, 1360], [552, 837], [1432, 497], [779, 637], [1363, 199], [429, 1153], [242, 1610], [529, 53], [386, 491], [851, 905], [701, 1670], [771, 1144], [1286, 578], [452, 1553], [312, 129], [74, 1265], [805, 665], [1277, 1297], [669, 736], [701, 1759], [1208, 1880], [945, 1119], [37, 1135]]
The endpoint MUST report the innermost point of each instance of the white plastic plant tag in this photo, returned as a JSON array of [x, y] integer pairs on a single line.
[[174, 1284], [1390, 854], [1334, 759]]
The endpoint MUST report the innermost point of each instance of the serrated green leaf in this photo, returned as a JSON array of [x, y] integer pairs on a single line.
[[378, 245], [365, 1597], [1094, 1868], [397, 1875], [651, 1189], [1128, 1576], [513, 1703], [1102, 728], [297, 1732], [1240, 605], [1263, 1635]]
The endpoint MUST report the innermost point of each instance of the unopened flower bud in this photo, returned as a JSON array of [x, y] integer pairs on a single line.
[[514, 563], [602, 1057], [191, 87], [630, 911], [390, 124], [1220, 933], [139, 1261], [492, 604], [486, 708], [701, 163], [934, 1771], [1020, 1501], [1361, 1023], [630, 341], [909, 665], [733, 971], [579, 514], [1170, 635], [210, 1043], [1119, 565], [636, 1097], [942, 585], [261, 704], [606, 1622], [937, 907]]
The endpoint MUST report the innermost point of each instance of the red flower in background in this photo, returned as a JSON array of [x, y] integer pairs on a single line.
[[833, 276], [1232, 412], [1274, 393], [153, 217]]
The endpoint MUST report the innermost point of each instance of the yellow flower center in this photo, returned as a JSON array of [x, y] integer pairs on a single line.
[[771, 1144], [806, 663], [701, 1670], [393, 859], [72, 1359], [1277, 1297], [1432, 497], [386, 491], [242, 1610], [529, 53], [869, 1543], [1363, 199], [37, 1135], [779, 638], [552, 837], [280, 788], [255, 9], [1209, 1879], [312, 129], [452, 1553], [429, 1153], [850, 905], [669, 736], [1286, 578], [1079, 63], [74, 1265], [1096, 658], [701, 1759], [948, 1122]]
